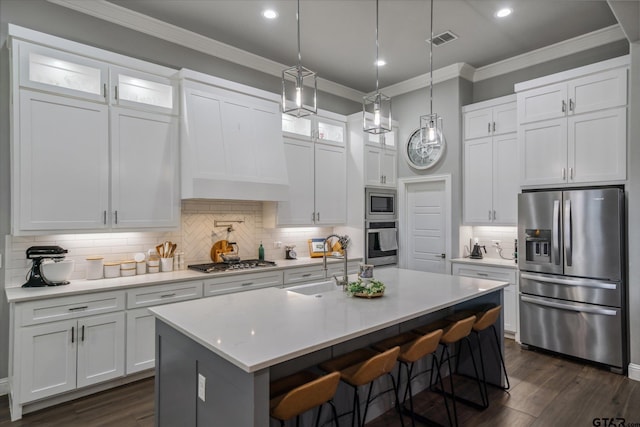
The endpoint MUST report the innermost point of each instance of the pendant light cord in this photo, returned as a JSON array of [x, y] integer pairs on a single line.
[[377, 49], [298, 21], [431, 62]]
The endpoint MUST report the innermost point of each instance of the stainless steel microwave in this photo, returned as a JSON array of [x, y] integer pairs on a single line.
[[380, 204]]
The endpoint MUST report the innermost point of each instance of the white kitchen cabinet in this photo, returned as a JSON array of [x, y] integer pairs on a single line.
[[231, 141], [61, 159], [300, 275], [144, 197], [65, 343], [563, 121], [510, 293], [316, 128], [317, 188], [66, 131], [490, 163], [141, 327], [242, 282], [380, 166]]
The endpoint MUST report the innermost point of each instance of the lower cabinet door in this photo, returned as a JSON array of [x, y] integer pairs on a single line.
[[141, 331], [48, 362], [100, 348], [509, 308]]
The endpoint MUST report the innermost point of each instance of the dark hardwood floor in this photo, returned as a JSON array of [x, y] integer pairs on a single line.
[[545, 391]]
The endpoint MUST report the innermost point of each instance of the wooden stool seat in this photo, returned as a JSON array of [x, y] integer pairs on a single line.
[[413, 347], [452, 331], [296, 394]]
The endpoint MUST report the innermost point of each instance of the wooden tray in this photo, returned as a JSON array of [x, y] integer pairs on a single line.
[[366, 295]]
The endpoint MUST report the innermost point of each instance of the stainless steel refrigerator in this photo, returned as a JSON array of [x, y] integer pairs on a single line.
[[571, 257]]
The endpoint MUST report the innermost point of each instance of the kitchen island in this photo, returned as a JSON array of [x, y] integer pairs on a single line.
[[217, 355]]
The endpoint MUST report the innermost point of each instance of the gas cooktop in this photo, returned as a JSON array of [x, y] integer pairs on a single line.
[[218, 267]]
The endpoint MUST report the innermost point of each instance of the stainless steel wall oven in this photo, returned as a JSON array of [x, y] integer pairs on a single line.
[[381, 242]]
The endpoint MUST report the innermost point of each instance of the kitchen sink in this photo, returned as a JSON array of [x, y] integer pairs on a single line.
[[315, 288]]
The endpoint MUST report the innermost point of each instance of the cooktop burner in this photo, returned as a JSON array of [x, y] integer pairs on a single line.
[[217, 267]]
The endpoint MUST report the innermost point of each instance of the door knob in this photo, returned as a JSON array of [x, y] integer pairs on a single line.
[[443, 256]]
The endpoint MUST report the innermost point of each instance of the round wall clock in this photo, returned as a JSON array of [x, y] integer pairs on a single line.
[[421, 153]]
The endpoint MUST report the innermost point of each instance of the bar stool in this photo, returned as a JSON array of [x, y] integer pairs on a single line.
[[295, 394], [414, 347], [361, 367], [486, 318], [454, 334]]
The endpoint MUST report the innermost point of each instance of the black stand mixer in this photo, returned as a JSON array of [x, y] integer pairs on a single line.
[[38, 254]]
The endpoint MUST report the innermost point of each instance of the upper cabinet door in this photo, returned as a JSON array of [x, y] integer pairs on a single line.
[[50, 70], [62, 173], [144, 177], [598, 91], [297, 127], [330, 184], [478, 181], [477, 124], [505, 119], [135, 89], [543, 103], [330, 131]]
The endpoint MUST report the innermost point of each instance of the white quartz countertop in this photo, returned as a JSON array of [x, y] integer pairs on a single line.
[[489, 262], [83, 286], [257, 329]]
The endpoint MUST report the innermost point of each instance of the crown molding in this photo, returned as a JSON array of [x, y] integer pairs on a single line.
[[110, 12], [548, 53], [154, 27]]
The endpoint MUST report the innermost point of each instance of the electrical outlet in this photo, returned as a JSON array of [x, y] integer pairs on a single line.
[[202, 383], [277, 245]]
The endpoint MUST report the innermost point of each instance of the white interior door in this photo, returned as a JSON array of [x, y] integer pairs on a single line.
[[426, 226]]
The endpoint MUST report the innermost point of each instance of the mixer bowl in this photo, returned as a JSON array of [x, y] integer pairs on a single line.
[[57, 272]]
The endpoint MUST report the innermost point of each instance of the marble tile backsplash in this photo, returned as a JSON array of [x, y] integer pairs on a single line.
[[196, 236]]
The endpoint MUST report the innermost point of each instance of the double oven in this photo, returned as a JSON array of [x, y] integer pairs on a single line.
[[381, 226]]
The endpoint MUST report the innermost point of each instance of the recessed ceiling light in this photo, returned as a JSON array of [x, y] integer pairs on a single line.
[[504, 12], [381, 62], [270, 14]]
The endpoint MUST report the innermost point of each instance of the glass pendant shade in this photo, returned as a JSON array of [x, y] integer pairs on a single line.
[[299, 89], [376, 110], [431, 129]]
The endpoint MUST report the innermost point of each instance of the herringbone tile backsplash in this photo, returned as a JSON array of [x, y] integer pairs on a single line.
[[195, 238]]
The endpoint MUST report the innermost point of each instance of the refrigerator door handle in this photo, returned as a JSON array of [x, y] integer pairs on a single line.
[[556, 232], [567, 233], [568, 282], [581, 309]]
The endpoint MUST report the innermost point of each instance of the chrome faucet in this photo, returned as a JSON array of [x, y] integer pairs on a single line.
[[344, 243]]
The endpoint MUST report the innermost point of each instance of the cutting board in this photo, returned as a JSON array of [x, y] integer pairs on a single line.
[[220, 247]]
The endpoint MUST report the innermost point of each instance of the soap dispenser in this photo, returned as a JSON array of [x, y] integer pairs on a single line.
[[261, 252]]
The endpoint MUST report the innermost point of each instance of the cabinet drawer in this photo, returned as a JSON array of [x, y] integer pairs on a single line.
[[55, 309], [491, 273], [338, 269], [163, 294], [303, 274], [242, 282]]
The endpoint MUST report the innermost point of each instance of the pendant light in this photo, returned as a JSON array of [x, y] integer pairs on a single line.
[[298, 100], [431, 124], [376, 108]]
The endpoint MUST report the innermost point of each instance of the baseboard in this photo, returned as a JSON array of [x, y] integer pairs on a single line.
[[4, 386], [634, 371]]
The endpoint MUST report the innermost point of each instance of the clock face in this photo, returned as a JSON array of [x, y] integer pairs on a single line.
[[421, 153]]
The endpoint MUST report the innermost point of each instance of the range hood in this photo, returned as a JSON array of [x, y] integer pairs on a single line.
[[231, 143]]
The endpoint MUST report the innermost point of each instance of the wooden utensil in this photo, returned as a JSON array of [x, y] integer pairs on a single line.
[[160, 250]]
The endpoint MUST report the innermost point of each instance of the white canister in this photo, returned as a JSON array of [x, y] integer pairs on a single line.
[[153, 265], [128, 265], [127, 272], [95, 267], [141, 267], [111, 269], [166, 264]]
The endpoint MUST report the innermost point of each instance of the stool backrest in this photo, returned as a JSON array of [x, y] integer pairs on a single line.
[[376, 366], [423, 346], [307, 396], [487, 318], [458, 330]]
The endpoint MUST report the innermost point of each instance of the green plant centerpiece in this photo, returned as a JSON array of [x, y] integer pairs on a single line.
[[368, 288]]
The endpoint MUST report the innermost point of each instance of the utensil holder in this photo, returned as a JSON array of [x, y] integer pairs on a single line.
[[166, 264]]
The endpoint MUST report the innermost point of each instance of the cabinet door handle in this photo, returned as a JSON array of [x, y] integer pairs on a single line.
[[82, 333], [168, 295], [489, 127], [104, 217], [115, 93], [73, 334], [494, 215], [564, 173], [116, 215], [489, 214], [571, 105], [482, 274], [306, 275], [104, 90], [83, 307], [571, 173], [247, 284], [564, 106], [318, 216], [313, 216], [494, 126]]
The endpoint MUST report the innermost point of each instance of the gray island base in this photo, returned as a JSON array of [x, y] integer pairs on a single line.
[[216, 356]]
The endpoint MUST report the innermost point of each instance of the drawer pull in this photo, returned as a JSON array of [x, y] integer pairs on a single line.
[[82, 333], [306, 275], [483, 274], [84, 307], [73, 331], [168, 295], [247, 284]]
